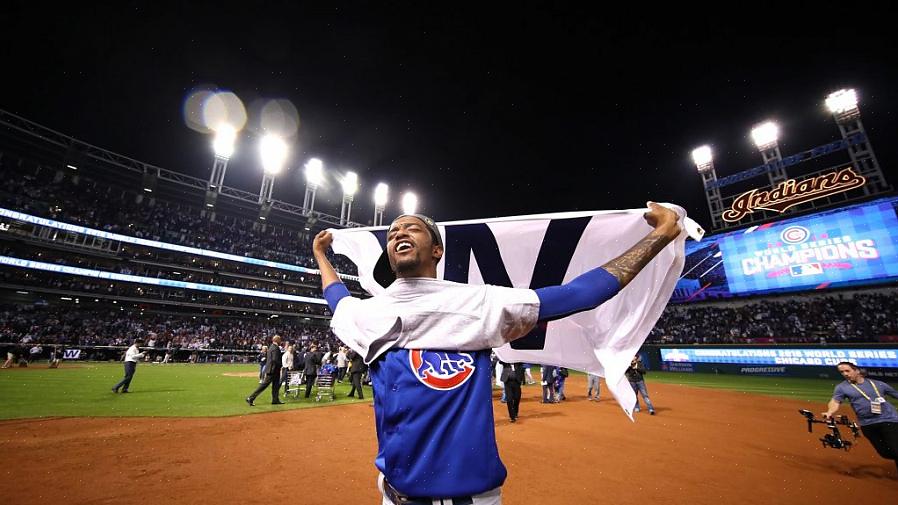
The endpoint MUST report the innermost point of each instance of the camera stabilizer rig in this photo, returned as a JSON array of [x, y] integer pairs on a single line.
[[833, 439]]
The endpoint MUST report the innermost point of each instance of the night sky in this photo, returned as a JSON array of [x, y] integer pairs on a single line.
[[516, 110]]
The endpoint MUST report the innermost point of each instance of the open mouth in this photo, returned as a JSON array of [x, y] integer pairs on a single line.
[[403, 246]]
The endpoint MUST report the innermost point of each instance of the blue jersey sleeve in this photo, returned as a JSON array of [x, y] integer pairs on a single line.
[[335, 292], [586, 292]]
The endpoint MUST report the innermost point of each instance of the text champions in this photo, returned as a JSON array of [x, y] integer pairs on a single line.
[[840, 248]]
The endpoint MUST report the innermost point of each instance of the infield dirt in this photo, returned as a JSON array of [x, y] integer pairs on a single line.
[[704, 447]]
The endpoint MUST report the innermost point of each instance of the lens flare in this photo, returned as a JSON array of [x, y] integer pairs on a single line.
[[279, 116], [224, 107], [193, 107]]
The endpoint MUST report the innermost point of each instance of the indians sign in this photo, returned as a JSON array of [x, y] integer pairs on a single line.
[[790, 193]]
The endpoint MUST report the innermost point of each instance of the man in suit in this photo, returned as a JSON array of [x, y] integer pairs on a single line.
[[271, 373], [513, 377], [356, 369], [313, 361]]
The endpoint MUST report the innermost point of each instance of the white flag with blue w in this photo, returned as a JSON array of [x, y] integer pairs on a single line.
[[545, 250]]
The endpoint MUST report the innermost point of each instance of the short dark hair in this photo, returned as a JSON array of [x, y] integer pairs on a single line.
[[848, 364]]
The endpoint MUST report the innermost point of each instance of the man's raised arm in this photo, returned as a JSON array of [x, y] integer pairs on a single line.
[[595, 287], [625, 267]]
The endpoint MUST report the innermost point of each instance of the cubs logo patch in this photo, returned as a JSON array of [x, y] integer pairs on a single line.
[[441, 370], [795, 234]]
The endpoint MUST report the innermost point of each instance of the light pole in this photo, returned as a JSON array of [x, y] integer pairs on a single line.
[[843, 106], [704, 162], [380, 203], [274, 153], [350, 185], [765, 136], [314, 178], [223, 146]]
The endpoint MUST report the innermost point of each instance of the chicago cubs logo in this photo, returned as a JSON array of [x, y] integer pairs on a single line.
[[441, 370], [795, 234]]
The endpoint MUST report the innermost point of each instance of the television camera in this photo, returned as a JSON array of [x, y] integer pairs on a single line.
[[833, 439]]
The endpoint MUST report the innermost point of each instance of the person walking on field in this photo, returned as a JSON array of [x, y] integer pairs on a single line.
[[341, 364], [132, 356], [356, 369], [592, 384], [878, 418], [287, 367], [513, 378], [635, 375], [310, 368], [271, 374]]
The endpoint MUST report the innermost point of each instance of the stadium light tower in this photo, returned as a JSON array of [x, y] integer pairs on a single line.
[[380, 203], [223, 146], [314, 178], [350, 185], [409, 203], [704, 162], [274, 153], [843, 106], [765, 136]]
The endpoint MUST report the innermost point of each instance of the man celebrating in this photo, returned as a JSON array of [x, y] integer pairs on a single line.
[[428, 344], [877, 417]]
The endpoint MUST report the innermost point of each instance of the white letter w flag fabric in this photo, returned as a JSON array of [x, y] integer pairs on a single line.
[[545, 250]]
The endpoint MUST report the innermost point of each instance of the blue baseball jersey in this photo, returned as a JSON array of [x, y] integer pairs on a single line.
[[434, 419]]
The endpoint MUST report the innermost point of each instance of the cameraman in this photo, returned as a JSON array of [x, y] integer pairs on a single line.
[[877, 417], [635, 374]]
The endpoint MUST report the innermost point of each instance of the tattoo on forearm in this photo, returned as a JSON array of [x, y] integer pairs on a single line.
[[627, 265]]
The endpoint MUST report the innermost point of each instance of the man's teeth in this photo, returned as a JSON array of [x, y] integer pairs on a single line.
[[403, 246]]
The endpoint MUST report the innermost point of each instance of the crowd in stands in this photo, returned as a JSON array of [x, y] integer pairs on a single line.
[[832, 319], [27, 325], [39, 191], [148, 270], [87, 286], [75, 198]]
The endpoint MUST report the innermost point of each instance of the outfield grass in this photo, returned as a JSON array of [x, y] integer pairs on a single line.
[[816, 390], [180, 390]]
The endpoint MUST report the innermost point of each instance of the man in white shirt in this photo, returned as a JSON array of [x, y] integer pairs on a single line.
[[286, 368], [341, 364], [131, 357]]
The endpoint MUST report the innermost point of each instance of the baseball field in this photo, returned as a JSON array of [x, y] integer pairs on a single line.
[[184, 435]]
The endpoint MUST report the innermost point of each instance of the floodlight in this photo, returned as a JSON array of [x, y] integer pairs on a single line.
[[765, 135], [409, 203], [350, 183], [274, 154], [702, 156], [314, 172], [223, 145], [380, 195], [842, 101]]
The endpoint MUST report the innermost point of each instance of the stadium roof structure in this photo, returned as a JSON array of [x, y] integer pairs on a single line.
[[34, 141]]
